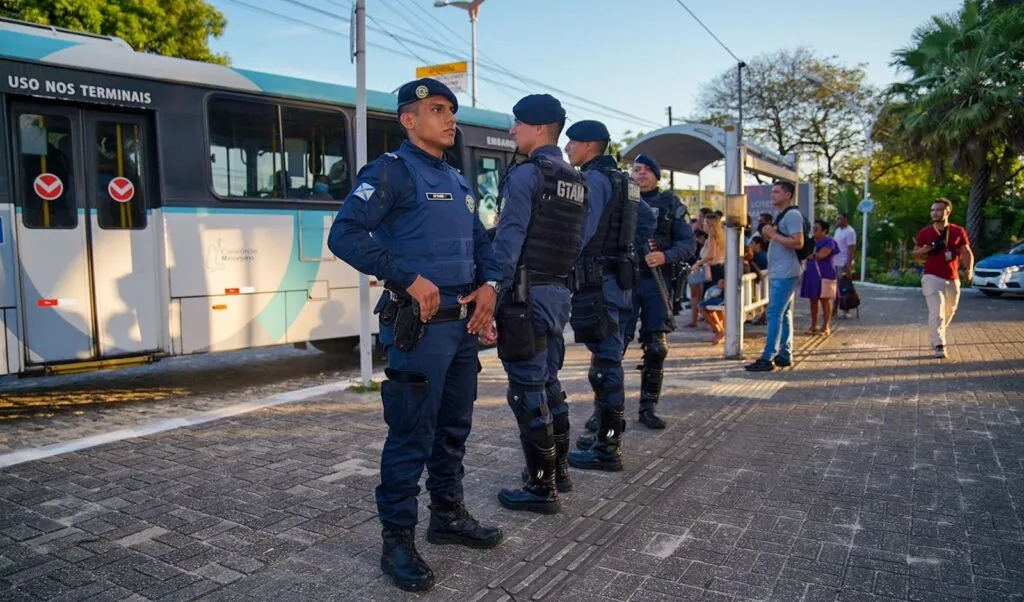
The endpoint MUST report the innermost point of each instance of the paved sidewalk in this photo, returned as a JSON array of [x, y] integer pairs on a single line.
[[869, 471]]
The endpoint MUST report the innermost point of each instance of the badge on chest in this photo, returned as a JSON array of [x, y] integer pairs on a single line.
[[439, 196]]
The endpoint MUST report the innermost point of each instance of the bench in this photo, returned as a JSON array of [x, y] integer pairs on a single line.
[[753, 296]]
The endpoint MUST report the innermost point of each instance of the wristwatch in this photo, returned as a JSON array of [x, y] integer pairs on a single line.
[[494, 284]]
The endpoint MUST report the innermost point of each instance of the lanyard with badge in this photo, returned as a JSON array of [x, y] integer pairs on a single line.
[[944, 234]]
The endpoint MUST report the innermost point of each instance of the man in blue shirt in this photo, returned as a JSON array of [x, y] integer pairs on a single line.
[[543, 203], [428, 245], [673, 242]]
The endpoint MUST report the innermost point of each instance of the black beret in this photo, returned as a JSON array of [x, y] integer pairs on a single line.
[[588, 131], [539, 109], [425, 88]]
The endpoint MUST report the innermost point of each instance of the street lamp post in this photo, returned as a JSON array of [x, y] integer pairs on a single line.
[[869, 127], [473, 8]]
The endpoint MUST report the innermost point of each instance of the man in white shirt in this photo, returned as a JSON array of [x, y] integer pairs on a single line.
[[846, 238]]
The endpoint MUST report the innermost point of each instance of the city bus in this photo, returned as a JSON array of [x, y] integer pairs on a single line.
[[153, 206]]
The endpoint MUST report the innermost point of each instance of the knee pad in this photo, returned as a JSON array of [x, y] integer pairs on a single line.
[[656, 347], [527, 404]]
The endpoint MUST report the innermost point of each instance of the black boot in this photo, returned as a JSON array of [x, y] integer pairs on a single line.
[[591, 424], [605, 454], [400, 560], [561, 429], [562, 481], [538, 493], [650, 392], [451, 523]]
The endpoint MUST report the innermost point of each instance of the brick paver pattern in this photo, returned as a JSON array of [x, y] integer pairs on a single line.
[[869, 471]]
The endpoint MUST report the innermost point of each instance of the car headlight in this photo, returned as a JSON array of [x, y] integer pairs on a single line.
[[1013, 269]]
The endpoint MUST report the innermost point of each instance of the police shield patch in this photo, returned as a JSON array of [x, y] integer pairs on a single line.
[[421, 92], [470, 203]]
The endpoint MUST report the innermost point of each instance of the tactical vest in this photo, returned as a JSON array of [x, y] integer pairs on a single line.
[[615, 231], [664, 231], [435, 237], [556, 220]]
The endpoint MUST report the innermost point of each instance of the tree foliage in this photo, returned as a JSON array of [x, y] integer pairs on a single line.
[[963, 101], [786, 112], [180, 28]]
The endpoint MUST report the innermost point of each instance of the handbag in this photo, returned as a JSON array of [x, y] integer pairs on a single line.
[[828, 286], [700, 276]]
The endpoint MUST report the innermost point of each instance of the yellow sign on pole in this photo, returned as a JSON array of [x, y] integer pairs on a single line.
[[452, 75]]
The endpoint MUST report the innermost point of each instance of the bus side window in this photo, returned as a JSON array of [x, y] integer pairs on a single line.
[[315, 154], [246, 159], [45, 162]]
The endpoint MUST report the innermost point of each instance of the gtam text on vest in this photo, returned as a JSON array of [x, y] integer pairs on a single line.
[[571, 191]]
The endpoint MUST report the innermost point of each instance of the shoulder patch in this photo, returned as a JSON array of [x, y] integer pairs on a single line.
[[364, 191]]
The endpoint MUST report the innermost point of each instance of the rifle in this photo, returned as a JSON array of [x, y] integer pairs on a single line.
[[659, 280]]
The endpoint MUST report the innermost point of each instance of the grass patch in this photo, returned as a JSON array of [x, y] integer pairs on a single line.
[[373, 387]]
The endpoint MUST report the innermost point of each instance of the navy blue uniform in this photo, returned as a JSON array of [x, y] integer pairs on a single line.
[[551, 303], [426, 223], [647, 303], [674, 237]]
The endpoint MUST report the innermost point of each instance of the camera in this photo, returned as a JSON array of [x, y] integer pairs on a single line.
[[938, 246]]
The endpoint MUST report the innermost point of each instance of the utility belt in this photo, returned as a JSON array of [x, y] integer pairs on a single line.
[[401, 312], [588, 273]]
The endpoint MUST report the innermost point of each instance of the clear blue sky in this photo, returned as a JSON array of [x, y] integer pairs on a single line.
[[652, 53]]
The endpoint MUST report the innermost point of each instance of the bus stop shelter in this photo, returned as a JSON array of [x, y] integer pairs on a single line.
[[689, 148]]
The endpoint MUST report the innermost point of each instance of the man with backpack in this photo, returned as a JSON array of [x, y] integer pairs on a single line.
[[791, 243]]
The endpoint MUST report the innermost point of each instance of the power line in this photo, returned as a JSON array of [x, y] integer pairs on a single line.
[[710, 33], [519, 76], [334, 32], [606, 111]]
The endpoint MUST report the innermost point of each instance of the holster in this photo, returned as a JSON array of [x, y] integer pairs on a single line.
[[624, 270], [400, 311]]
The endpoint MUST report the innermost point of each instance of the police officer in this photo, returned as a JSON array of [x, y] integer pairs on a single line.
[[543, 204], [604, 275], [428, 246], [673, 242]]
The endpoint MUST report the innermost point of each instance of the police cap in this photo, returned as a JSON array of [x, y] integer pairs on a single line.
[[588, 131], [425, 87], [650, 163], [539, 109]]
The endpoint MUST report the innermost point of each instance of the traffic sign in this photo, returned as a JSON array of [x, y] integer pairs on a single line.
[[121, 189], [452, 75], [866, 205], [48, 186]]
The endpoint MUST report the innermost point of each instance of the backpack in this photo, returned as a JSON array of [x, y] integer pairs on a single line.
[[848, 297], [808, 249]]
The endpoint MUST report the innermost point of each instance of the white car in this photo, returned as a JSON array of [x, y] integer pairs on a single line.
[[1001, 274]]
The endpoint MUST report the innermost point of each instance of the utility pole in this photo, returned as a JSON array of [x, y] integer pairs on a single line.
[[365, 341], [671, 174]]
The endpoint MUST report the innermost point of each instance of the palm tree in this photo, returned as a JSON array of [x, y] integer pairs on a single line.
[[963, 104]]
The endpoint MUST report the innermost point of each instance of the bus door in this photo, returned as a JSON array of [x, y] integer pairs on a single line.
[[488, 168], [87, 244]]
